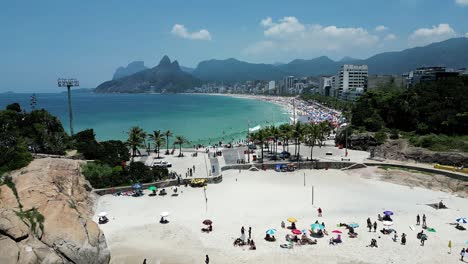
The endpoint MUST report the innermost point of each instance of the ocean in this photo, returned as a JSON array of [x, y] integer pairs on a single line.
[[202, 119]]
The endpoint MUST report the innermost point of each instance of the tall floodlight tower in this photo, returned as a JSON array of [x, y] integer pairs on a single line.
[[69, 83]]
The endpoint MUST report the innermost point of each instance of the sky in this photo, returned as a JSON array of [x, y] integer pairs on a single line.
[[88, 39]]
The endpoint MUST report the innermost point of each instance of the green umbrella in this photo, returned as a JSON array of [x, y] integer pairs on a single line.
[[152, 188], [431, 229]]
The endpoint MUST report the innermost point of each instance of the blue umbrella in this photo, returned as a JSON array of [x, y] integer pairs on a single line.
[[304, 231], [462, 220], [136, 186], [271, 231], [353, 225], [317, 226], [388, 213]]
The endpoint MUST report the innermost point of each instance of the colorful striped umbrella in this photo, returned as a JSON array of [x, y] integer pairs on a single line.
[[462, 220]]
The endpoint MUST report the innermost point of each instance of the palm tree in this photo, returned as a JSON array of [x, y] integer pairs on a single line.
[[180, 140], [285, 133], [260, 137], [298, 134], [136, 139], [158, 140], [275, 133], [168, 134], [313, 134]]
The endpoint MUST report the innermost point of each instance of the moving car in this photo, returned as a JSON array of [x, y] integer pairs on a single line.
[[161, 163]]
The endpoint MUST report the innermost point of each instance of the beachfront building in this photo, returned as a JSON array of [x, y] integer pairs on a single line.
[[325, 85], [288, 84], [352, 77], [427, 74]]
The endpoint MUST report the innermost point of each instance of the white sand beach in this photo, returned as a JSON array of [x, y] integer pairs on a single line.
[[263, 199]]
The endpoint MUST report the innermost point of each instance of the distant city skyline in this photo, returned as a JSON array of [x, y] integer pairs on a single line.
[[44, 40]]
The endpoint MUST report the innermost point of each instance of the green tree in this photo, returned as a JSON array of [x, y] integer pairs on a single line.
[[180, 140], [167, 134], [158, 138], [136, 139]]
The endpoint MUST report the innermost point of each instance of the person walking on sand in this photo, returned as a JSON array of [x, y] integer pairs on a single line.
[[403, 239], [207, 260], [250, 232], [242, 230], [424, 219], [418, 220], [319, 211], [462, 254], [375, 226], [369, 225]]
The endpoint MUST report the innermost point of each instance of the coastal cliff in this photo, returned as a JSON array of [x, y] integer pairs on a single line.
[[46, 210]]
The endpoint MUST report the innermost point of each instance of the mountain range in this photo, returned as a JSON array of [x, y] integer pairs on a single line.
[[451, 53], [165, 77]]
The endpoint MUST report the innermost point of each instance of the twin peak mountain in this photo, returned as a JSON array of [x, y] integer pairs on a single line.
[[167, 76]]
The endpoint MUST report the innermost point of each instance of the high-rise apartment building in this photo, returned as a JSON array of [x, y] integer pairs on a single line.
[[352, 77]]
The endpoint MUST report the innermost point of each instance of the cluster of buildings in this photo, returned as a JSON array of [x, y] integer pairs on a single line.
[[289, 85], [348, 84]]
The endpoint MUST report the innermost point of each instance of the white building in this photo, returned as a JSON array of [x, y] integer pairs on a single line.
[[271, 85], [288, 83], [325, 85], [352, 77]]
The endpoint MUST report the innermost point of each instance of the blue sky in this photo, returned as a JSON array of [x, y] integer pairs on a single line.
[[43, 40]]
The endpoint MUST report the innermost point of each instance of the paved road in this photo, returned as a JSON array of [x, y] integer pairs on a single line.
[[233, 154]]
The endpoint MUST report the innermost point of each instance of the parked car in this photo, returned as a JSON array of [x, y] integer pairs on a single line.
[[285, 155], [161, 163]]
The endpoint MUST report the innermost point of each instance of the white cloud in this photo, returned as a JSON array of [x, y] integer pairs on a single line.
[[424, 36], [462, 2], [390, 37], [289, 36], [286, 25], [380, 28], [181, 31]]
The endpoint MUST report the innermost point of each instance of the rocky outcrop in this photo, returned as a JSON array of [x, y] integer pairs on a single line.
[[362, 142], [400, 150], [45, 216]]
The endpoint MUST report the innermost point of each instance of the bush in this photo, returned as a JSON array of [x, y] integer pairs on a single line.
[[441, 142], [394, 134], [99, 175], [380, 137]]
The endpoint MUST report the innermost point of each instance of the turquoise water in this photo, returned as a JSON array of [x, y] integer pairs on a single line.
[[200, 118]]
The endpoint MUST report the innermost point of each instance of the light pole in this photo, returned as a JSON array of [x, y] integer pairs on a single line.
[[69, 83]]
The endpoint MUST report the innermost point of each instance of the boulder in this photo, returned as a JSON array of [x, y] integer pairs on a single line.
[[8, 250], [12, 226], [400, 150], [55, 189]]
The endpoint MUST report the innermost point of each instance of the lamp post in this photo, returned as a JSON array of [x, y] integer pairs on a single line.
[[69, 83]]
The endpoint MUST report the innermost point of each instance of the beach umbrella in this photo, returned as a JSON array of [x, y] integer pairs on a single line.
[[152, 188], [353, 225], [136, 186], [317, 226], [337, 231], [304, 231], [292, 220], [462, 220], [164, 214], [387, 223], [207, 222], [388, 213], [296, 231], [271, 231], [101, 214], [429, 229]]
